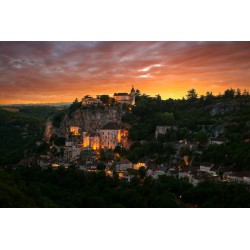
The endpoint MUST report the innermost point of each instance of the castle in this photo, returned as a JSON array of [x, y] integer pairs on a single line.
[[125, 97], [118, 97]]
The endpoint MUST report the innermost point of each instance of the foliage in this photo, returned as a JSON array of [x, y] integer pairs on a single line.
[[40, 112], [57, 118], [18, 132], [59, 141], [192, 95], [74, 106], [230, 154], [164, 119], [33, 187]]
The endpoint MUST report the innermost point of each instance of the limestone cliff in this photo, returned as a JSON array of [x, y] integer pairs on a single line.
[[88, 119], [224, 107]]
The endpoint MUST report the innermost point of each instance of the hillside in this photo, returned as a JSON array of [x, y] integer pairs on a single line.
[[19, 130], [89, 118], [195, 121]]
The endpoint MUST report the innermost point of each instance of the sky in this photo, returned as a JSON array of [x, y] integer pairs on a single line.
[[50, 72]]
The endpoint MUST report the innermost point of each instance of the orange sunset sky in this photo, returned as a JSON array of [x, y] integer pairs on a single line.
[[48, 72]]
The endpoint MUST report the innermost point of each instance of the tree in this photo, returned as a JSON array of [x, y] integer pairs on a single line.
[[158, 97], [201, 137], [142, 172], [245, 93], [192, 95], [101, 166], [164, 118], [209, 97], [58, 141], [238, 93], [104, 99], [229, 93]]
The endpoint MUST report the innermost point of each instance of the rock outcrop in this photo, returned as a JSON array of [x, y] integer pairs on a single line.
[[89, 119]]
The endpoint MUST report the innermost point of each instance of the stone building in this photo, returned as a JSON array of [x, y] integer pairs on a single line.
[[91, 101], [163, 130], [110, 135], [75, 130], [72, 151], [91, 141], [125, 97]]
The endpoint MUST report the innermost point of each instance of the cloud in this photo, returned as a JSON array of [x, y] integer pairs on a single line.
[[57, 71], [150, 67], [145, 76]]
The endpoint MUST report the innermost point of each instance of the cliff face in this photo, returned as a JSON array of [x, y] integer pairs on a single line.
[[89, 119], [221, 108]]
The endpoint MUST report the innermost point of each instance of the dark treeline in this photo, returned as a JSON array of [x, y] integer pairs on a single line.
[[33, 187]]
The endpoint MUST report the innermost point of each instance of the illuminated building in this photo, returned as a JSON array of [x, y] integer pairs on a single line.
[[91, 141], [139, 165], [111, 135], [74, 130], [95, 142], [91, 100], [125, 97]]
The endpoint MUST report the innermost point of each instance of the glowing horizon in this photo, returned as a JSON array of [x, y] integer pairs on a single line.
[[54, 72]]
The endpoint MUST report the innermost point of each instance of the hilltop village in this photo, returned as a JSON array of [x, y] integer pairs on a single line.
[[130, 134], [91, 127]]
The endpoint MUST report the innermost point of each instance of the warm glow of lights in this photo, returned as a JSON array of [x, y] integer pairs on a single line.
[[55, 165], [109, 173], [119, 136], [138, 165], [185, 158], [75, 130], [86, 141], [121, 175]]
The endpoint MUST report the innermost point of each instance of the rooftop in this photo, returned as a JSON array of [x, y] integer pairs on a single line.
[[121, 94], [123, 161]]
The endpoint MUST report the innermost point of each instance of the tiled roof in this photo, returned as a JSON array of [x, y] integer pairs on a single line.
[[121, 94], [124, 161]]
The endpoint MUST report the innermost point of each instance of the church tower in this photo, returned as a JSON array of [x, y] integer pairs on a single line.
[[132, 95]]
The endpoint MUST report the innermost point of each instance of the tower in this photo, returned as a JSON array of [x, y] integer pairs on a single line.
[[132, 94], [86, 140]]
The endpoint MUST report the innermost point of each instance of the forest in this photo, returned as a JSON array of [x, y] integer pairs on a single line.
[[71, 188], [20, 128]]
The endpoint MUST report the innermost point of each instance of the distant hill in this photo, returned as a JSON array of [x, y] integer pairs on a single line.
[[37, 104], [20, 129]]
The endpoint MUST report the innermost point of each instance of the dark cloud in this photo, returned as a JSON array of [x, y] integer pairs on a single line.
[[59, 71]]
